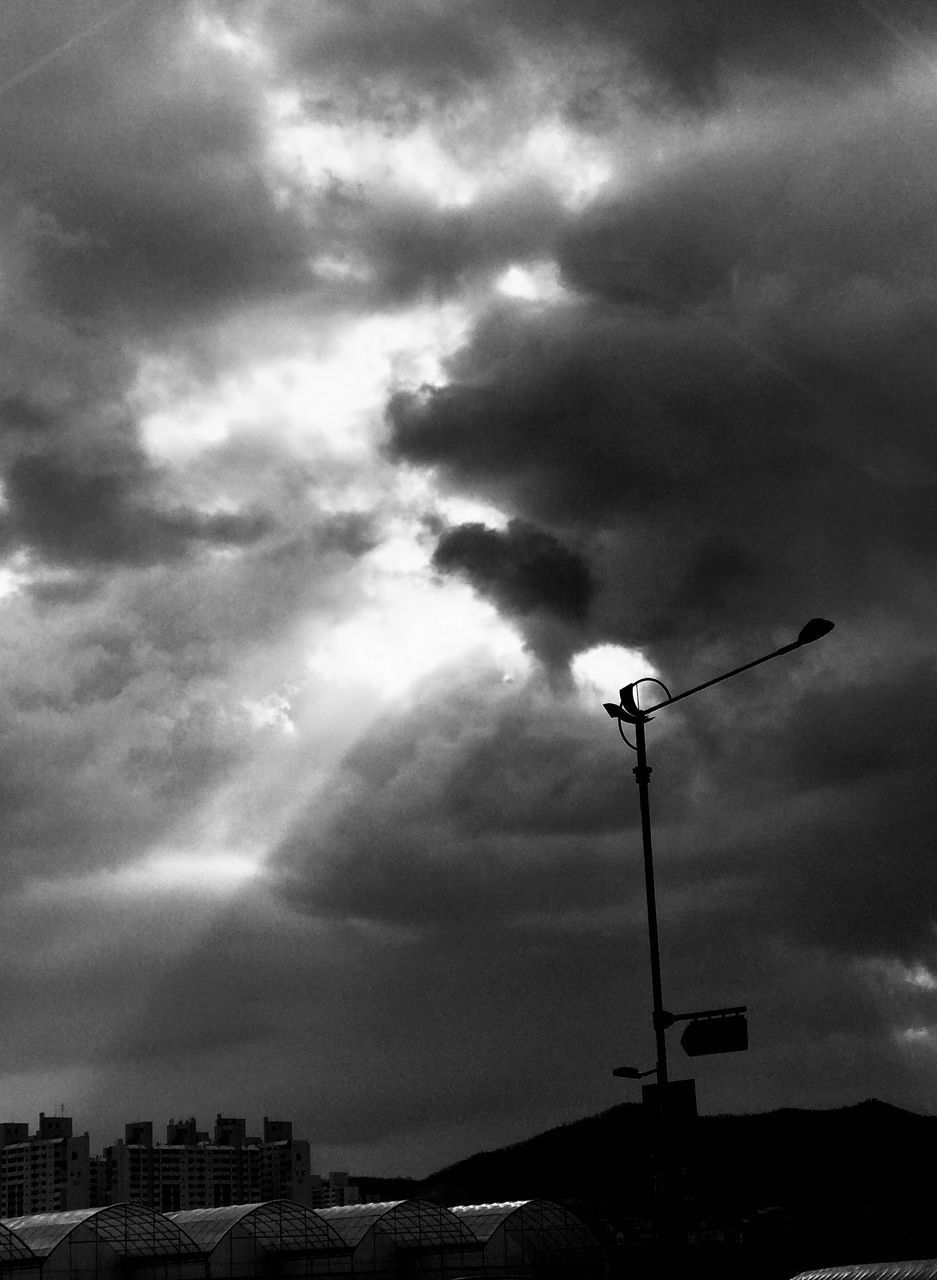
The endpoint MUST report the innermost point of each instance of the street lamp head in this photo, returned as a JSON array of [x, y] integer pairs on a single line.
[[813, 630], [628, 709]]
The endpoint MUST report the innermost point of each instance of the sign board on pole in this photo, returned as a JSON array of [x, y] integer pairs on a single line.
[[716, 1034]]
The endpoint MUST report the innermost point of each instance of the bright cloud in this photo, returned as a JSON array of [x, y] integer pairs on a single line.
[[325, 397], [444, 162], [411, 627], [606, 667], [538, 282], [161, 872]]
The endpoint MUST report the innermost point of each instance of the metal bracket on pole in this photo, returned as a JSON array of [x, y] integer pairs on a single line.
[[705, 1013]]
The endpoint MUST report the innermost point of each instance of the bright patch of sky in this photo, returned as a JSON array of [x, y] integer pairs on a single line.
[[418, 492], [605, 668], [20, 570], [211, 29], [921, 976], [207, 873], [270, 712], [318, 390], [413, 626], [897, 975], [323, 404], [918, 1035], [536, 282], [328, 396], [442, 166]]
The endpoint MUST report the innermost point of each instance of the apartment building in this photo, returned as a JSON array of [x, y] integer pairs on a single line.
[[43, 1172], [194, 1170]]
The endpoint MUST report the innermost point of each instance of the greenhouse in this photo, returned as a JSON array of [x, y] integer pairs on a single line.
[[921, 1270], [87, 1243], [259, 1239], [394, 1239], [16, 1255], [532, 1238], [405, 1237]]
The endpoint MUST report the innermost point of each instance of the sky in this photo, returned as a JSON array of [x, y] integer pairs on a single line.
[[383, 383]]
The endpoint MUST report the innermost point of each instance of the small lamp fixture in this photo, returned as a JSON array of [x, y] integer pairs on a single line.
[[814, 629]]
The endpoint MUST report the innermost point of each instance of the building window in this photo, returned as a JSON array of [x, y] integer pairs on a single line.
[[170, 1199]]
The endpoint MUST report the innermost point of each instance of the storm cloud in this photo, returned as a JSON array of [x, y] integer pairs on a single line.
[[382, 387]]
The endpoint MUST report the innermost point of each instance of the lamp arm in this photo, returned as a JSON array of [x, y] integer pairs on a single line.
[[787, 648]]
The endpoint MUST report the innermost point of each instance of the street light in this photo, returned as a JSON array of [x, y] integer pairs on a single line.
[[627, 711], [709, 1030]]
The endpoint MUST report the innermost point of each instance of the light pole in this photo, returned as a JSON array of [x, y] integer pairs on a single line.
[[627, 711]]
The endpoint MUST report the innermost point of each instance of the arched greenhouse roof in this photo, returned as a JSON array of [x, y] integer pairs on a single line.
[[411, 1223], [553, 1226], [280, 1225], [485, 1219], [134, 1232], [925, 1269], [12, 1247], [354, 1221]]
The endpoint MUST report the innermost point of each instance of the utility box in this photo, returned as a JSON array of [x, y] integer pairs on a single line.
[[672, 1104]]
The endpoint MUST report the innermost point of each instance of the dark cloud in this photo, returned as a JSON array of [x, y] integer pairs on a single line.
[[151, 180], [522, 569], [692, 48], [738, 421], [483, 804], [532, 577], [414, 249], [685, 53], [839, 855], [432, 819], [722, 429], [802, 200], [695, 47], [435, 50], [18, 413], [102, 516]]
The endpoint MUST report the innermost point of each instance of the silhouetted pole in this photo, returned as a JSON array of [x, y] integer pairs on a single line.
[[642, 776], [628, 711]]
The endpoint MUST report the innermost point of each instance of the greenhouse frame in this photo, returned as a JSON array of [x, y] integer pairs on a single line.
[[532, 1238], [924, 1269], [414, 1237], [255, 1239], [392, 1240], [115, 1240]]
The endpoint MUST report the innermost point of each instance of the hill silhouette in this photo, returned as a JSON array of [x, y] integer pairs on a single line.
[[797, 1188]]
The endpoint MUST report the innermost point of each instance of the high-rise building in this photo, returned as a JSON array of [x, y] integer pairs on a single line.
[[191, 1172], [43, 1172]]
